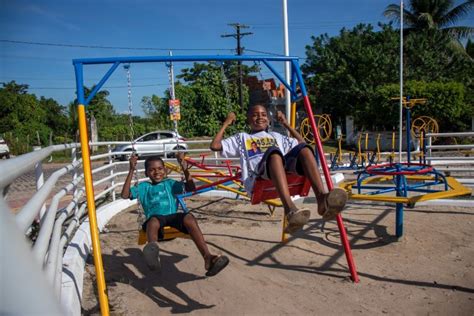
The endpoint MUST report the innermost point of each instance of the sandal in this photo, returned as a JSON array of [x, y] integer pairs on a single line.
[[151, 252], [334, 203], [218, 263], [296, 220]]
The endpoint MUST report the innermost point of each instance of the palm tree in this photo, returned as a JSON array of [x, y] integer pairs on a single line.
[[423, 15]]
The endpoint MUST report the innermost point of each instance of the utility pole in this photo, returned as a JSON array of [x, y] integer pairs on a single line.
[[238, 35]]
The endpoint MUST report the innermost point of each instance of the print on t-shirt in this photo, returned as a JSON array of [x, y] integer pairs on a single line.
[[257, 146]]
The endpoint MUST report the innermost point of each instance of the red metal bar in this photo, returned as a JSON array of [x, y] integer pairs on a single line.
[[327, 176], [236, 177]]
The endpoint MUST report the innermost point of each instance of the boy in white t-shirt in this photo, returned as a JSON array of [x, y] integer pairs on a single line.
[[270, 155]]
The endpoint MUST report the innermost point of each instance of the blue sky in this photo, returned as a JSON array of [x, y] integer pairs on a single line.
[[185, 26]]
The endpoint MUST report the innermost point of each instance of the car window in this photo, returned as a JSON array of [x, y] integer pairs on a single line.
[[150, 137], [166, 135]]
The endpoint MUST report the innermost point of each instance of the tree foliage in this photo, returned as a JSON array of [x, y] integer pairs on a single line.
[[423, 15], [25, 117], [345, 72], [206, 98], [445, 103]]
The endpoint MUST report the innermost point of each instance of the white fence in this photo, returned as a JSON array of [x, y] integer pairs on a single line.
[[32, 271], [456, 160]]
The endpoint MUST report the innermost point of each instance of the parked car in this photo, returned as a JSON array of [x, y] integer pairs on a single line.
[[154, 143], [4, 150]]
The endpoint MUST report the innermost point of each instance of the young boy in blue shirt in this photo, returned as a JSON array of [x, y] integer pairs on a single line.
[[158, 199]]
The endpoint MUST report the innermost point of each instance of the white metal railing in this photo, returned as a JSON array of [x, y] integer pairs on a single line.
[[57, 224], [457, 159]]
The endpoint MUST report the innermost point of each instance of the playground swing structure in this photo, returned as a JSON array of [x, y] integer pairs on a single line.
[[114, 62]]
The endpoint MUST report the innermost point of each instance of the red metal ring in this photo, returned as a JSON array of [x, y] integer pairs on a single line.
[[424, 170]]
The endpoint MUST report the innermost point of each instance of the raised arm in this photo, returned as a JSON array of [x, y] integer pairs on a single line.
[[126, 186], [189, 184], [216, 144], [293, 132]]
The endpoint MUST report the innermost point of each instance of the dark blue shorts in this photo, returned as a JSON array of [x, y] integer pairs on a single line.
[[173, 220], [290, 160]]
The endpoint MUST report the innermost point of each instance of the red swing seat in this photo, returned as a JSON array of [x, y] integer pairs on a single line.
[[264, 190]]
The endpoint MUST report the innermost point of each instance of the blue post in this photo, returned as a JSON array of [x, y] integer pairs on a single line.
[[399, 209]]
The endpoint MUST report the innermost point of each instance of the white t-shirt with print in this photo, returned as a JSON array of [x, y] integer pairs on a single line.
[[250, 148]]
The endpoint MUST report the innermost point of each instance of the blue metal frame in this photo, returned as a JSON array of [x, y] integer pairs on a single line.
[[401, 187], [116, 61]]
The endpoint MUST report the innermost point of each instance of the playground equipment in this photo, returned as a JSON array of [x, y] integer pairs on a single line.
[[296, 78], [410, 182], [323, 124], [357, 160]]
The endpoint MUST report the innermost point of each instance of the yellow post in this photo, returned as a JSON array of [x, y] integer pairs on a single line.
[[293, 115], [86, 163], [393, 146]]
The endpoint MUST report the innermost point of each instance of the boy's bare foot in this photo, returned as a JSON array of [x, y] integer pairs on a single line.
[[332, 204], [297, 219], [151, 252]]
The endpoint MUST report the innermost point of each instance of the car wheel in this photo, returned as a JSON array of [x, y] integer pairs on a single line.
[[125, 157], [173, 154]]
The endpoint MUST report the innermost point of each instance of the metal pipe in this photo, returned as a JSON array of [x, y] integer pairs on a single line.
[[286, 48], [400, 129], [97, 254], [27, 214]]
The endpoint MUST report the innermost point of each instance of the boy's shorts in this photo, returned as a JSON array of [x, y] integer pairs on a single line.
[[173, 220], [290, 160]]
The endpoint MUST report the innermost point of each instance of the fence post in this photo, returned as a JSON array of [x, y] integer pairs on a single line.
[[39, 176], [74, 176], [112, 182]]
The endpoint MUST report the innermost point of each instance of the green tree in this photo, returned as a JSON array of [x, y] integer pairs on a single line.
[[345, 72], [99, 106], [422, 15], [206, 98], [55, 115], [23, 117], [342, 71], [446, 103]]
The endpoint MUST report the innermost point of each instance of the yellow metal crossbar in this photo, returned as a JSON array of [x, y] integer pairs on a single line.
[[454, 189]]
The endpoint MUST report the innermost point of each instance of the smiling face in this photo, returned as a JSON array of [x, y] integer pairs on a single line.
[[155, 170], [257, 118]]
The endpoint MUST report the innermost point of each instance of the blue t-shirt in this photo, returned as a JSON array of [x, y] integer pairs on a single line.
[[159, 198]]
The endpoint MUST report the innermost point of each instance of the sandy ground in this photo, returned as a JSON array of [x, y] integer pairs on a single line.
[[429, 271]]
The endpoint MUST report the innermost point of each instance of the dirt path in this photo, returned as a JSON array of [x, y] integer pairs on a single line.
[[429, 271]]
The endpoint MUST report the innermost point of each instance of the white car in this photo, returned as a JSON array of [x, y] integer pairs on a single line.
[[4, 150], [154, 143]]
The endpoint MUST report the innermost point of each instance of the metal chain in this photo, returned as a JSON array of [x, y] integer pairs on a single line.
[[262, 79], [130, 107], [141, 215], [271, 105], [225, 83]]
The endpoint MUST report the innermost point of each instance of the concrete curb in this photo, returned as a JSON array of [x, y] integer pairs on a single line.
[[76, 254]]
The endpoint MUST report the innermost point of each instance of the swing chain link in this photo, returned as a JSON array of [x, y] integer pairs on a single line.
[[141, 215], [226, 90]]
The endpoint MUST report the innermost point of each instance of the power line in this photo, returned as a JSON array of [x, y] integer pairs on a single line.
[[109, 47], [238, 35], [105, 87]]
